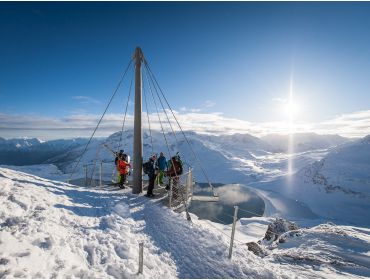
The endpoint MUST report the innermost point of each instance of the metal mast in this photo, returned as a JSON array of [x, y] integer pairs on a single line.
[[138, 143]]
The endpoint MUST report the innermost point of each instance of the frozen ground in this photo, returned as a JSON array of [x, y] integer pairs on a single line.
[[50, 229]]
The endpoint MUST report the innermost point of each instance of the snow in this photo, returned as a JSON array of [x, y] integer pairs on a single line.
[[336, 188], [327, 248], [50, 229], [47, 171]]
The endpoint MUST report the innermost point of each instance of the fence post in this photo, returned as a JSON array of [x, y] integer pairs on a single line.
[[170, 196], [85, 167], [141, 257], [189, 181], [233, 232], [101, 172]]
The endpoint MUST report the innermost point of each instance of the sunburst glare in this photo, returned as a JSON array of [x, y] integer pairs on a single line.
[[292, 109]]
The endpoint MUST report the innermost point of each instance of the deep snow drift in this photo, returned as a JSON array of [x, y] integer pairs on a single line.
[[51, 229]]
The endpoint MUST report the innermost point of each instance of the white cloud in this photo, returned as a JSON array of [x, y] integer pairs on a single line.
[[86, 99], [355, 124], [206, 105], [209, 104]]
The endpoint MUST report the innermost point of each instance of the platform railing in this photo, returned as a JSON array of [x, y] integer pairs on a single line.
[[181, 189]]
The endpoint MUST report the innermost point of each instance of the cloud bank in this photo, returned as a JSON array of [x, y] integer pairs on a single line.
[[356, 124]]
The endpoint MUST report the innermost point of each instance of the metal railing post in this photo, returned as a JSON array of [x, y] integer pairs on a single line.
[[85, 167], [189, 181], [100, 173], [141, 258], [233, 232], [170, 194]]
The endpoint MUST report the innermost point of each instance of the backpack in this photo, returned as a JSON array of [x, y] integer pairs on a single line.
[[147, 167], [177, 165], [125, 157]]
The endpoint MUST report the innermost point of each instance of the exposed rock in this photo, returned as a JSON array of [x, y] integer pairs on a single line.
[[256, 249], [277, 228]]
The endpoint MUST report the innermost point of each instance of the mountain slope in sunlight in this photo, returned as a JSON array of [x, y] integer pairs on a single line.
[[303, 142], [335, 188]]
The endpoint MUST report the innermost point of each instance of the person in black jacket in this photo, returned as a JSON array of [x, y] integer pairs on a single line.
[[151, 174]]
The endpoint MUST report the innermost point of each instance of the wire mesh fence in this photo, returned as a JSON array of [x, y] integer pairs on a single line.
[[180, 189]]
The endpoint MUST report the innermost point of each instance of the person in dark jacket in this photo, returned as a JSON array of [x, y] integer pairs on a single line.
[[151, 174]]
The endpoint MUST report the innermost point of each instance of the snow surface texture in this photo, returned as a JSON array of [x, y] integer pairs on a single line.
[[50, 229]]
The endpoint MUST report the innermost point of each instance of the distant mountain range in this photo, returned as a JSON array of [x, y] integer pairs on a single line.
[[303, 142], [331, 173], [233, 156], [27, 151]]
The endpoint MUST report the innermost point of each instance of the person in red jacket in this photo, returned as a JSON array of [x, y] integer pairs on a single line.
[[123, 168]]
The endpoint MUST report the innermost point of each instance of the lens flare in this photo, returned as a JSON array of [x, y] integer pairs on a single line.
[[292, 108]]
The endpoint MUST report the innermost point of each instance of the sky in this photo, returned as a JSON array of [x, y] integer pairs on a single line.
[[225, 67]]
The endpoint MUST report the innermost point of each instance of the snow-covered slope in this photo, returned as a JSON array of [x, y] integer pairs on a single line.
[[336, 187], [46, 171], [324, 247], [51, 229]]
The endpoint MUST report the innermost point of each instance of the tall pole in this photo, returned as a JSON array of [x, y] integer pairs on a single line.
[[138, 145]]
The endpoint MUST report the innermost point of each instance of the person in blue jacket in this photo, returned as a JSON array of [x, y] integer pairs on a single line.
[[162, 167]]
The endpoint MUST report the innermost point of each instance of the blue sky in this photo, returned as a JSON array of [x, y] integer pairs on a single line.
[[62, 59]]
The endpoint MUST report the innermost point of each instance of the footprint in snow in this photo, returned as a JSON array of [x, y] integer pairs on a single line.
[[4, 261], [46, 244], [122, 251]]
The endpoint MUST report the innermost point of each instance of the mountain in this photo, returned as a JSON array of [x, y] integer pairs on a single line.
[[236, 158], [303, 142], [25, 151], [336, 187], [210, 157], [228, 158], [18, 143]]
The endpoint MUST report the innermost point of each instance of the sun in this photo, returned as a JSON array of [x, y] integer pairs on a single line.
[[291, 108]]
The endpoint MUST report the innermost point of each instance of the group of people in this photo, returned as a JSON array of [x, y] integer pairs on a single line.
[[155, 168]]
